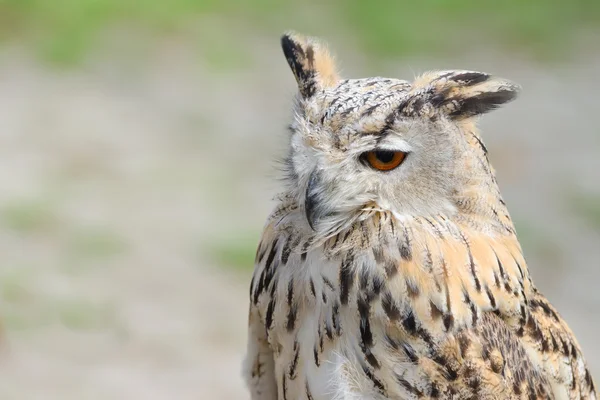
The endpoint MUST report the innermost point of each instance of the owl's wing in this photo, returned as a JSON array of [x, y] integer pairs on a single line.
[[541, 359], [490, 360], [549, 340], [259, 364], [466, 313]]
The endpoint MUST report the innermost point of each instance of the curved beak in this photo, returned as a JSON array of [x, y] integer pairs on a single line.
[[311, 206]]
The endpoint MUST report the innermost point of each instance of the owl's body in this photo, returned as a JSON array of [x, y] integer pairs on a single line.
[[398, 283]]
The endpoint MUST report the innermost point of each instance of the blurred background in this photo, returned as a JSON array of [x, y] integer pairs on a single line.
[[138, 141]]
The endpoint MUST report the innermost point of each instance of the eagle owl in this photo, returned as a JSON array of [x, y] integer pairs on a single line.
[[390, 267]]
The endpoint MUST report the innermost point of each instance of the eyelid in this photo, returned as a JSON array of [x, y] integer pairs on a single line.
[[391, 149], [395, 145]]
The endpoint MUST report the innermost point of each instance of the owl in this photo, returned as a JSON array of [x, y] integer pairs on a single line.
[[390, 267]]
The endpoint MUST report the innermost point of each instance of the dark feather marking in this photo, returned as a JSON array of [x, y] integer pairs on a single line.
[[535, 332], [269, 316], [284, 386], [371, 359], [545, 346], [436, 313], [410, 352], [321, 340], [269, 274], [393, 343], [308, 393], [346, 235], [364, 278], [449, 372], [428, 259], [447, 289], [490, 297], [410, 324], [312, 287], [483, 148], [463, 342], [520, 269], [304, 250], [405, 246], [523, 319], [390, 268], [517, 387], [328, 331], [588, 379], [573, 351], [554, 342], [266, 274], [271, 256], [285, 251], [407, 386], [565, 347], [252, 284], [389, 306], [346, 279], [290, 292], [471, 306], [434, 392], [436, 229], [473, 379], [392, 227], [503, 274], [535, 303], [412, 288], [366, 335], [378, 284], [259, 288], [573, 377], [328, 282], [335, 316], [471, 263], [524, 296], [274, 283], [294, 363], [291, 318], [496, 279], [376, 382], [448, 321], [260, 254]]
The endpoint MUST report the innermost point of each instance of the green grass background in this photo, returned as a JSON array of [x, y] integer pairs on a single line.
[[65, 30]]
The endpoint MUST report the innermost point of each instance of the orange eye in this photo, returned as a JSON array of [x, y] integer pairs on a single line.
[[384, 160]]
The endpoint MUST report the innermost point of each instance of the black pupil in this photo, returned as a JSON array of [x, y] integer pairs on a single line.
[[385, 156]]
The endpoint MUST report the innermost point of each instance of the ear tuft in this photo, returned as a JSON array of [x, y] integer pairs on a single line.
[[310, 62], [469, 78], [472, 104], [464, 94]]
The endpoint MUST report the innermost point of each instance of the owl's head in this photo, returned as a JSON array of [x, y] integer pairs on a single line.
[[385, 144]]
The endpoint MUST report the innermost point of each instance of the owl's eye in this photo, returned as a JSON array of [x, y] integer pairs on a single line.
[[384, 160]]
